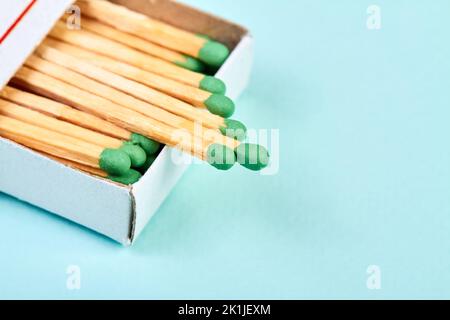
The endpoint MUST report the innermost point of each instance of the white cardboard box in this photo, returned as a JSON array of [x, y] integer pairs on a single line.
[[117, 211]]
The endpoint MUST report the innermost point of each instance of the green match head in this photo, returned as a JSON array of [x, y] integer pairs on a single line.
[[191, 64], [114, 162], [221, 157], [234, 129], [213, 85], [220, 105], [150, 146], [136, 153], [130, 177], [214, 53], [252, 156]]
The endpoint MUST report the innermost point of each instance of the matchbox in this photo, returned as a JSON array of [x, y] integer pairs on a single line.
[[117, 211]]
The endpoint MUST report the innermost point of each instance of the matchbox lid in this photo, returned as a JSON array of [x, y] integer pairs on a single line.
[[23, 25]]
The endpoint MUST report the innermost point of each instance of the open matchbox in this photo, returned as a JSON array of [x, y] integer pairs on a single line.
[[120, 212]]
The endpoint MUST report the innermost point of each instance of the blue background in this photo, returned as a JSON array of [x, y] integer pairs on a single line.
[[364, 175]]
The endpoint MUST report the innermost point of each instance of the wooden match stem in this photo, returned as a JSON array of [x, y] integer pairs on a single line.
[[35, 118], [50, 142], [76, 165], [194, 96], [132, 41], [108, 110], [138, 90], [102, 45], [64, 112], [95, 87], [143, 26], [60, 72]]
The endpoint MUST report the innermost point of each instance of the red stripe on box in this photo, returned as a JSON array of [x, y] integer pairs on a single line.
[[19, 18]]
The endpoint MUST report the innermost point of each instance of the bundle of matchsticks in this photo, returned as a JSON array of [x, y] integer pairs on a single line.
[[105, 98]]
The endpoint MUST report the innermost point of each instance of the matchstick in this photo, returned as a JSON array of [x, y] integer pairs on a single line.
[[119, 97], [64, 112], [145, 46], [137, 89], [208, 51], [253, 157], [131, 177], [194, 96], [102, 45], [114, 162], [215, 154], [137, 155], [67, 75]]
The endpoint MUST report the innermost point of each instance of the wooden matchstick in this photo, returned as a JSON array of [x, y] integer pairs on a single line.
[[211, 52], [129, 119], [253, 157], [137, 155], [119, 97], [113, 49], [76, 165], [64, 112], [115, 162], [135, 89], [75, 71], [194, 96], [129, 178], [143, 45]]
